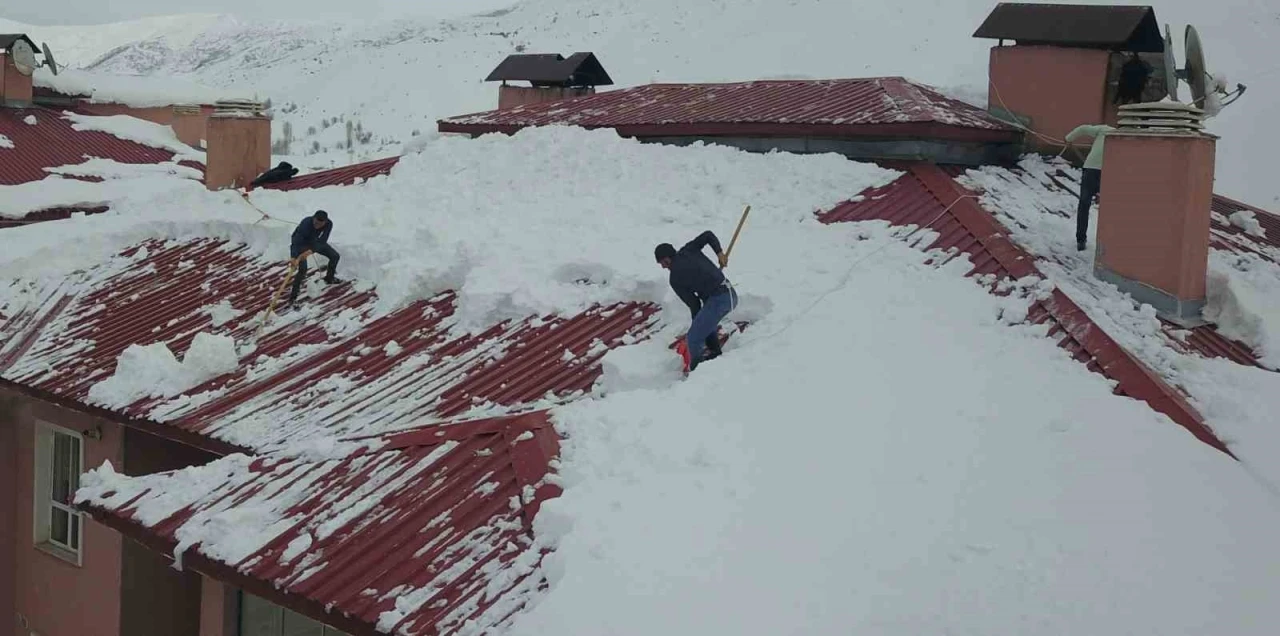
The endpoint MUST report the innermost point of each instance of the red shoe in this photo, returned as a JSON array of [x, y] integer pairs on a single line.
[[682, 348]]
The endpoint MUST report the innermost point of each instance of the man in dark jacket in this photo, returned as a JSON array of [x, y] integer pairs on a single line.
[[312, 235], [282, 172], [703, 287]]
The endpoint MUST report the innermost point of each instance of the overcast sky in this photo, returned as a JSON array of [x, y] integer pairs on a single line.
[[50, 12]]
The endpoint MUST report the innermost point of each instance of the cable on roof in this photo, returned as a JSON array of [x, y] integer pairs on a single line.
[[849, 272]]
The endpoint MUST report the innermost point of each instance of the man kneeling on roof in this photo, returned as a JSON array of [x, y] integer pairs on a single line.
[[312, 235], [703, 287]]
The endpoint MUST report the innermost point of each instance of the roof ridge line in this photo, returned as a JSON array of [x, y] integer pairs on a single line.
[[1134, 379]]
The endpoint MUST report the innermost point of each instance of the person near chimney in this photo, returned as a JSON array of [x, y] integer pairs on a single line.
[[282, 172], [704, 288], [312, 235], [1133, 80], [1090, 176]]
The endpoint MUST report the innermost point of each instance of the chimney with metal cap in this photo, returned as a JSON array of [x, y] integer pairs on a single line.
[[1153, 216], [17, 62], [238, 136]]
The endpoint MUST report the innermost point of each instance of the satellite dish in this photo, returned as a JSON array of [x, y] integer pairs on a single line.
[[48, 58], [1170, 65], [1207, 93], [24, 58], [1196, 75]]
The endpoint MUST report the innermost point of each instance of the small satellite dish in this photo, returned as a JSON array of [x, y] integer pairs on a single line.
[[1170, 65], [48, 58], [24, 58]]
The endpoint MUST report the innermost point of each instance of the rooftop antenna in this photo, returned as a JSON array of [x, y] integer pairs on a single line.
[[24, 58], [1196, 74], [48, 58]]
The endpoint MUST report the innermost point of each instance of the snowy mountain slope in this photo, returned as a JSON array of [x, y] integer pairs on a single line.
[[398, 77], [79, 46]]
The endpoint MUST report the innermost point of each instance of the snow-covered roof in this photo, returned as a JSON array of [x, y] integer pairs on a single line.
[[875, 372], [842, 108], [344, 369], [60, 162], [137, 91], [427, 533]]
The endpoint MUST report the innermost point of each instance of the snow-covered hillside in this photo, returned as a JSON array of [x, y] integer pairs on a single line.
[[396, 78]]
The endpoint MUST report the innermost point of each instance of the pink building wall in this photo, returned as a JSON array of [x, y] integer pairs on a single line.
[[8, 514], [190, 128], [1059, 88], [54, 597], [512, 96], [14, 86]]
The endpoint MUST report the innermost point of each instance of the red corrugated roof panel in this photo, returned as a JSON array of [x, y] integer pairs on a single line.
[[65, 341], [52, 142], [885, 106], [928, 196], [417, 537], [345, 175]]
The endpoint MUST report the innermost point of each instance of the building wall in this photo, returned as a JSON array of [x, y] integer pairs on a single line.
[[8, 514], [54, 597], [218, 609], [190, 129], [14, 86], [512, 96], [1057, 88]]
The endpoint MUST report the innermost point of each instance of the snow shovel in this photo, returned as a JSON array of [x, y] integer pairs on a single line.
[[734, 240], [288, 277]]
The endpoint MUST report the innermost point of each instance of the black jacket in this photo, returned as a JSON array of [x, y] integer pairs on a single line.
[[307, 237], [282, 172], [694, 277]]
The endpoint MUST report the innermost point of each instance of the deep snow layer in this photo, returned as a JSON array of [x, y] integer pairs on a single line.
[[1239, 403]]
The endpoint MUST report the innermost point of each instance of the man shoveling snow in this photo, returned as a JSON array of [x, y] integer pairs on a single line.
[[312, 235], [704, 288]]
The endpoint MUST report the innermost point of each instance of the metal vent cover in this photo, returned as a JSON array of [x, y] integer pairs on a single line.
[[1165, 117]]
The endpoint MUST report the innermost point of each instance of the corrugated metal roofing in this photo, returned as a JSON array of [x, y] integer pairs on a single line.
[[420, 536], [928, 193], [1121, 27], [887, 106], [333, 376], [52, 142], [1205, 340], [344, 175]]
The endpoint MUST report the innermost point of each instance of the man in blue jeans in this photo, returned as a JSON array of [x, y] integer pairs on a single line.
[[703, 287], [312, 235]]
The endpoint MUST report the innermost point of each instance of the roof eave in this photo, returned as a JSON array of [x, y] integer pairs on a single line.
[[908, 130]]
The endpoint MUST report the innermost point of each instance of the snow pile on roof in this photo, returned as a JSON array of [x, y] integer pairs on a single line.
[[1237, 402], [6, 143], [153, 370], [1246, 221], [30, 120], [894, 459], [1244, 299], [138, 131], [137, 91], [55, 191], [97, 167]]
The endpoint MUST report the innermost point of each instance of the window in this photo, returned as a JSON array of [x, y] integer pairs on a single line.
[[59, 461], [259, 617]]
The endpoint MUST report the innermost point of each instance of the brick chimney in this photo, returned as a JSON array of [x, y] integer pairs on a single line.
[[551, 76], [1063, 65], [15, 87], [1153, 217], [189, 124], [239, 144]]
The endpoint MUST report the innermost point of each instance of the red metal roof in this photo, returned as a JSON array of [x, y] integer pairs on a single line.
[[420, 536], [345, 175], [846, 108], [52, 142], [64, 342], [926, 192]]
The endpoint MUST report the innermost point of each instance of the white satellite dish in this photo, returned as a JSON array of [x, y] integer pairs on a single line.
[[24, 58], [1196, 74], [48, 58]]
